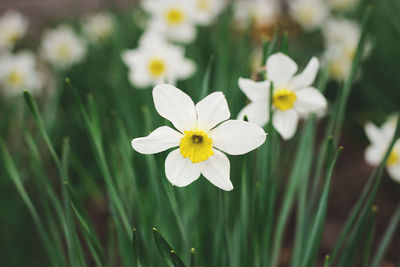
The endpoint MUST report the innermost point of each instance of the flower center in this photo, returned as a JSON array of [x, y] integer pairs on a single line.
[[196, 145], [337, 70], [284, 99], [16, 79], [12, 37], [174, 16], [393, 158], [203, 5], [157, 67], [63, 51]]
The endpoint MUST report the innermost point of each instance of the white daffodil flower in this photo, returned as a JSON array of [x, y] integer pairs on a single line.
[[341, 38], [292, 97], [172, 18], [205, 11], [339, 62], [13, 27], [98, 27], [156, 61], [341, 32], [309, 14], [62, 47], [203, 131], [260, 12], [343, 5], [380, 139], [19, 72]]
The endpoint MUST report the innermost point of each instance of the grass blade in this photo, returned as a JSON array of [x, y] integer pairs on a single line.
[[386, 238], [317, 228], [11, 169], [87, 229], [169, 256]]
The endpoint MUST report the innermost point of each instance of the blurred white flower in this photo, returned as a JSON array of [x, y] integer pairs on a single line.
[[13, 27], [309, 14], [293, 96], [339, 62], [19, 72], [380, 139], [341, 38], [205, 11], [156, 61], [260, 12], [98, 27], [62, 47], [172, 18], [341, 32], [203, 132], [343, 5]]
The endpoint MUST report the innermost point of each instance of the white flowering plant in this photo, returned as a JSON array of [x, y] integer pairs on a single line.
[[201, 133]]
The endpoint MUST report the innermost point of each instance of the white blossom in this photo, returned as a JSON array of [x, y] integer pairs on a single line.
[[156, 61], [293, 96], [203, 131], [13, 27], [19, 72], [62, 47], [380, 139]]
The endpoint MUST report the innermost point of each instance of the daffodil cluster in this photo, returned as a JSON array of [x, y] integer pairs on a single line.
[[158, 58], [61, 47]]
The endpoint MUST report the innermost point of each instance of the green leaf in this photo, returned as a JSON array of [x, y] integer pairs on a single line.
[[285, 43], [87, 228], [386, 238], [192, 259], [12, 171], [95, 134], [169, 256], [314, 239], [205, 86]]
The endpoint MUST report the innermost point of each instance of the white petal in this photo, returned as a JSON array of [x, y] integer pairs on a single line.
[[176, 106], [159, 140], [394, 172], [307, 77], [255, 90], [256, 112], [285, 122], [216, 169], [212, 110], [184, 33], [309, 100], [373, 133], [180, 171], [374, 154], [237, 137], [185, 69], [280, 69]]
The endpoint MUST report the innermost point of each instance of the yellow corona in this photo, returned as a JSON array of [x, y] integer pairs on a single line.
[[196, 145], [284, 99]]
